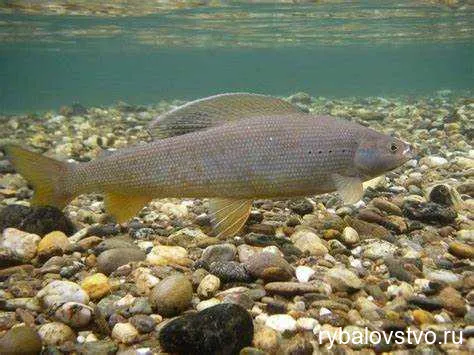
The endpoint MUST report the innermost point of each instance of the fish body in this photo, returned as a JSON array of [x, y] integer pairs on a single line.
[[264, 156]]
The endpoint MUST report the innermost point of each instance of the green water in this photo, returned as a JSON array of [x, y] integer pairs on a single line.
[[335, 49]]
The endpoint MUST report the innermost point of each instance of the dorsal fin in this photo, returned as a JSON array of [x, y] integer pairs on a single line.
[[216, 110]]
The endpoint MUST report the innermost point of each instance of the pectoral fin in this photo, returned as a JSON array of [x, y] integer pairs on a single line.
[[349, 188], [216, 110], [228, 215], [123, 207]]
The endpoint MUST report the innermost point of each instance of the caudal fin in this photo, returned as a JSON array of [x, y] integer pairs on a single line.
[[46, 175]]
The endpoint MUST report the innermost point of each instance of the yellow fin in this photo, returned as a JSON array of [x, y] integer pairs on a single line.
[[45, 175], [123, 207], [349, 188], [229, 215]]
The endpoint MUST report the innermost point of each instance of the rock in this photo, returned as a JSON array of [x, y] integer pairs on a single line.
[[59, 292], [143, 323], [172, 295], [21, 341], [343, 279], [208, 287], [281, 323], [396, 269], [220, 252], [350, 236], [111, 260], [367, 230], [378, 249], [230, 271], [39, 220], [429, 304], [422, 317], [222, 329], [445, 276], [114, 243], [300, 98], [267, 339], [74, 314], [433, 161], [294, 288], [125, 333], [304, 273], [55, 333], [211, 302], [21, 244], [308, 242], [190, 238], [306, 323], [453, 301], [96, 285], [246, 252], [54, 243], [177, 211], [466, 235], [441, 194], [270, 267], [386, 206], [461, 250], [168, 255], [429, 212], [102, 347], [7, 320], [301, 206]]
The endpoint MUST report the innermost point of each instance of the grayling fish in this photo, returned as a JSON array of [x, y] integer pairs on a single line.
[[232, 148]]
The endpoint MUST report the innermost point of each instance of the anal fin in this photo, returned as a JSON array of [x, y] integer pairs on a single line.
[[123, 207], [229, 215], [350, 188]]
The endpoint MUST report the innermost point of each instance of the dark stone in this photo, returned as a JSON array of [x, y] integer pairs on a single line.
[[6, 167], [21, 340], [103, 347], [440, 194], [429, 304], [230, 271], [220, 330], [111, 260], [429, 212], [396, 269], [263, 240], [105, 230], [301, 206], [143, 233], [143, 323], [39, 220]]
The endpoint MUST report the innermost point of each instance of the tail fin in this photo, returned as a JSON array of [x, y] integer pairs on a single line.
[[46, 175]]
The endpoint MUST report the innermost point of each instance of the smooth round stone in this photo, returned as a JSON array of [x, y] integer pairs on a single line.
[[55, 333], [114, 243], [230, 271], [74, 314], [461, 250], [172, 295], [343, 279], [125, 333], [281, 323], [220, 252], [96, 285], [21, 341], [304, 273], [350, 236], [207, 304], [162, 255], [308, 242], [143, 323], [246, 252], [294, 288], [208, 287], [433, 161], [54, 243], [110, 260], [267, 339], [270, 267], [306, 323], [21, 244], [222, 329], [378, 249], [59, 292]]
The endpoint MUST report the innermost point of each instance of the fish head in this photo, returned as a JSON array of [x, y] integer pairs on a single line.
[[379, 153]]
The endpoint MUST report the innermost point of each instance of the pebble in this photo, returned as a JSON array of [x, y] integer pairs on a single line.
[[386, 206], [168, 255], [429, 212], [59, 292], [267, 339], [143, 323], [220, 252], [442, 275], [96, 285], [207, 303], [54, 243], [429, 304], [208, 287], [396, 269], [304, 273], [433, 161], [461, 250], [378, 249], [350, 236], [55, 333], [301, 206], [222, 329], [21, 340], [294, 288], [172, 295], [343, 279], [466, 235], [230, 271], [423, 317], [306, 323], [281, 323], [453, 301], [125, 333], [110, 260], [21, 244], [270, 267], [74, 314], [308, 242]]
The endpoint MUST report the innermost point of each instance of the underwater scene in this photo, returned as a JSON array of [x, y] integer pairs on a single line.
[[236, 177]]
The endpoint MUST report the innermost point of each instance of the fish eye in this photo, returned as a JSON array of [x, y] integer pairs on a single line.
[[393, 147]]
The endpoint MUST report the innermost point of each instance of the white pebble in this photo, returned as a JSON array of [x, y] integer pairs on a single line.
[[304, 273], [125, 333], [281, 322], [324, 311], [306, 323]]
